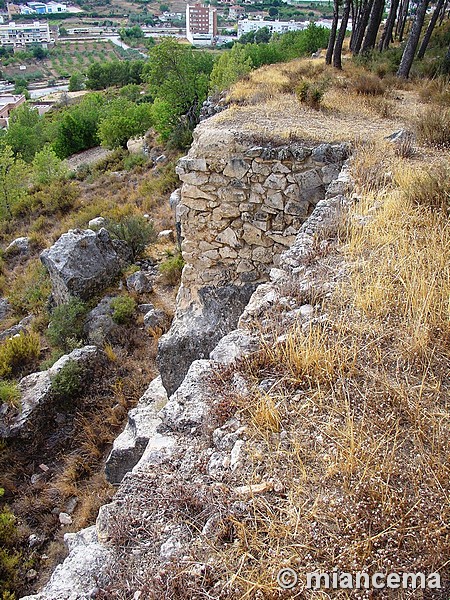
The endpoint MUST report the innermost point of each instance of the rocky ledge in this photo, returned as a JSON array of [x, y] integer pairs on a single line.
[[186, 456]]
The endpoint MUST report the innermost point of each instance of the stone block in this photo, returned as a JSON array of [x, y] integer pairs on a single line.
[[292, 192], [260, 168], [227, 210], [298, 209], [278, 167], [275, 181], [309, 179], [244, 266], [236, 168], [274, 199], [228, 237], [227, 252], [192, 164], [194, 178], [192, 191]]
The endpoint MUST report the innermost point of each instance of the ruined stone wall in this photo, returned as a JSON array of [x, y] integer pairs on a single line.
[[241, 206], [239, 211]]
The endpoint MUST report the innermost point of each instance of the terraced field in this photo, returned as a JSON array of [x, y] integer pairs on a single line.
[[67, 58]]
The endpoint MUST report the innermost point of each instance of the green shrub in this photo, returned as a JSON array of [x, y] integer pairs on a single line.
[[68, 383], [134, 160], [310, 94], [59, 196], [112, 162], [65, 330], [136, 231], [123, 307], [18, 352], [171, 268], [31, 289], [9, 559], [9, 393]]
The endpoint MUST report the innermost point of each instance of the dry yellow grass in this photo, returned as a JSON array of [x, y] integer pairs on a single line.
[[264, 104], [353, 435]]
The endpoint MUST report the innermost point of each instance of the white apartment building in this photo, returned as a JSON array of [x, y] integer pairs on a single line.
[[43, 8], [201, 24], [247, 25], [21, 34]]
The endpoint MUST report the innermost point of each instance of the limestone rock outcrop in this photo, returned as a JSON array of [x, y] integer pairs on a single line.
[[36, 391], [180, 454], [143, 422], [83, 262]]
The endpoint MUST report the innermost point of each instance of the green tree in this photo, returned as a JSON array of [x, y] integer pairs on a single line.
[[134, 32], [132, 92], [122, 120], [115, 73], [26, 132], [229, 68], [20, 85], [262, 36], [76, 82], [39, 52], [13, 180], [179, 76], [47, 166], [76, 129]]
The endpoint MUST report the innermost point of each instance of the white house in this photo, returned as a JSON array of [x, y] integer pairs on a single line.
[[42, 8], [247, 25]]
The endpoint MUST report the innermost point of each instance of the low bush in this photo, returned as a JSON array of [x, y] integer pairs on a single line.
[[428, 188], [19, 352], [171, 268], [368, 85], [123, 309], [136, 231], [134, 160], [30, 290], [310, 93], [65, 330], [9, 393], [68, 383], [9, 559], [433, 127], [57, 197]]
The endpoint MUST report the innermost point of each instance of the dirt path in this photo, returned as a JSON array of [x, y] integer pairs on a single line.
[[87, 157]]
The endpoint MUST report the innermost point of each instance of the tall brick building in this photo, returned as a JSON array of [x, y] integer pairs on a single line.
[[201, 24]]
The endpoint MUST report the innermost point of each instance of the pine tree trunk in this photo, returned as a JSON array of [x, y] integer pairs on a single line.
[[444, 10], [413, 40], [402, 21], [376, 15], [332, 39], [337, 56], [386, 38], [360, 27], [354, 10], [430, 28]]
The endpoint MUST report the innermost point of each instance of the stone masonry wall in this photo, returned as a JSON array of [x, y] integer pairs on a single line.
[[238, 213], [241, 206]]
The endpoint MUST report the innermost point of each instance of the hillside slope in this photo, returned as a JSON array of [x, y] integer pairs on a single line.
[[316, 438]]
